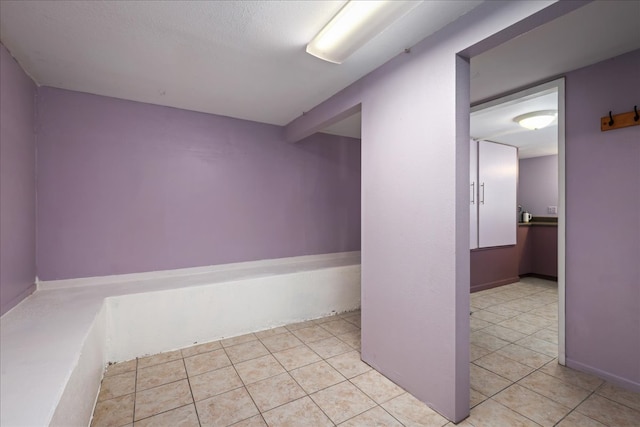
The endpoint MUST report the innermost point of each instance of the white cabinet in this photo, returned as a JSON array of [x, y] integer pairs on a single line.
[[494, 195]]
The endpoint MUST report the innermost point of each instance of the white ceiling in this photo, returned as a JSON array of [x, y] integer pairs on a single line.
[[247, 59], [496, 124], [243, 59]]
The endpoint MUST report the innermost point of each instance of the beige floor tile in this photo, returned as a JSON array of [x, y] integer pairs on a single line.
[[547, 335], [576, 419], [117, 385], [238, 340], [226, 409], [296, 357], [281, 342], [352, 339], [476, 398], [503, 366], [375, 417], [301, 412], [492, 414], [246, 351], [476, 352], [525, 356], [349, 364], [477, 324], [377, 386], [121, 367], [342, 401], [354, 319], [541, 346], [157, 359], [295, 326], [311, 334], [609, 412], [161, 399], [487, 382], [215, 382], [413, 413], [504, 311], [571, 376], [255, 421], [329, 347], [488, 316], [156, 375], [201, 348], [620, 395], [340, 326], [504, 333], [259, 369], [488, 341], [201, 363], [271, 332], [183, 417], [521, 326], [275, 391], [114, 412], [532, 405], [316, 376], [556, 390]]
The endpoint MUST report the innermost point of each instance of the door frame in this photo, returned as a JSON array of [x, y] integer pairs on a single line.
[[559, 85]]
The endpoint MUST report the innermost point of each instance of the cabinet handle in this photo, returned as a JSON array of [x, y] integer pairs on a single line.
[[482, 199], [473, 193]]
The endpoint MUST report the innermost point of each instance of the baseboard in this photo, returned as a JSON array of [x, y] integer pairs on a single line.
[[540, 276], [608, 376], [194, 271], [494, 284]]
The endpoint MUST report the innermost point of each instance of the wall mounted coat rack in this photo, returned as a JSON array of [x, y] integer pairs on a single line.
[[622, 120]]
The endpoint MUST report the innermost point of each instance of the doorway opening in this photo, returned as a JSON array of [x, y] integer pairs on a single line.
[[517, 258]]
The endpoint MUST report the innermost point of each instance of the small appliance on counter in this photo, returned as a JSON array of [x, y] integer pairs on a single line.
[[526, 216]]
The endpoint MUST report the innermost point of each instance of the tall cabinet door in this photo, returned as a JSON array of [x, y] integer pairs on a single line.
[[473, 194], [498, 174]]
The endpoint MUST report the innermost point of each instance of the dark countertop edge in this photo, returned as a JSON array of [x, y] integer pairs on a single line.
[[537, 224]]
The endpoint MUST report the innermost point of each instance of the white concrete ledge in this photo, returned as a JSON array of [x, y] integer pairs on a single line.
[[56, 343]]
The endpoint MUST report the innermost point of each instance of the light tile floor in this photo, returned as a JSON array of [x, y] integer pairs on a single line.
[[310, 374], [515, 376]]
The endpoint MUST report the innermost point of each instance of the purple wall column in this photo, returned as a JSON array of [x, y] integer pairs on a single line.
[[538, 184], [603, 222], [129, 187], [415, 209], [17, 183]]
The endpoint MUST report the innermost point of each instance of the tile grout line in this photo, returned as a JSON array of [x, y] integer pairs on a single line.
[[193, 399]]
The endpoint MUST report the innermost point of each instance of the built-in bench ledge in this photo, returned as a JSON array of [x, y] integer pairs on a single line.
[[56, 343]]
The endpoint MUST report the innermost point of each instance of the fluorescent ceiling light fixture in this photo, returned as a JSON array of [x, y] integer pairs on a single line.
[[536, 119], [354, 25]]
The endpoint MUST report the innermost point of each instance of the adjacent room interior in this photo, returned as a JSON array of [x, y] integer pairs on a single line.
[[203, 223]]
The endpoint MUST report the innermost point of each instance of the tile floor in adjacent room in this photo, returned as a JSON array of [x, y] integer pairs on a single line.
[[310, 374]]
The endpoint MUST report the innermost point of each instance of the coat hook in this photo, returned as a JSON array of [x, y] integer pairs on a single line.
[[636, 117], [610, 119]]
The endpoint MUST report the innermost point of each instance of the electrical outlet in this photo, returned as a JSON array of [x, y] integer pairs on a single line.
[[553, 210]]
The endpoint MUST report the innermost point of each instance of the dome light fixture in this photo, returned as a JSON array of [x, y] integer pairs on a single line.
[[536, 119]]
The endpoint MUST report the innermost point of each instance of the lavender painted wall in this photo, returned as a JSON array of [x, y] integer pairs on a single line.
[[603, 222], [17, 183], [128, 187], [538, 184], [415, 206]]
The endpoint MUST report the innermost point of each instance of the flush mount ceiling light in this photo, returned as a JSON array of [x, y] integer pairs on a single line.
[[536, 119], [354, 25]]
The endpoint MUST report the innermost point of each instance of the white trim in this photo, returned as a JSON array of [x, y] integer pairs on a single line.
[[193, 271], [562, 224]]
